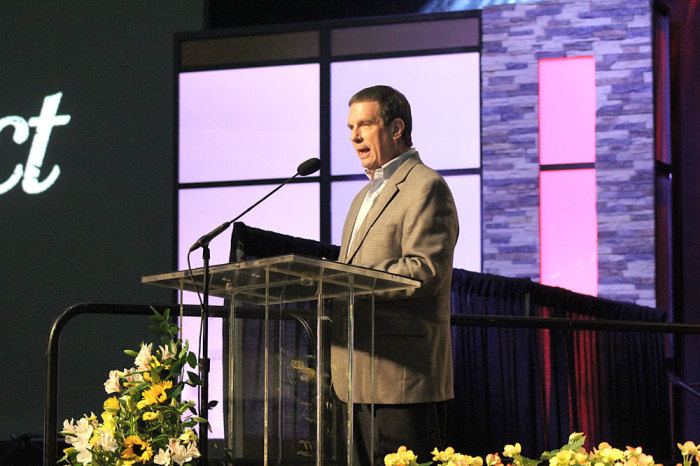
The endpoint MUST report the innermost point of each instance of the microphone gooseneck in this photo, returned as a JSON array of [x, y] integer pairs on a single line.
[[307, 167]]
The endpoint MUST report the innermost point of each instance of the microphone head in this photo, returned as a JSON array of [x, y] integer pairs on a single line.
[[308, 167]]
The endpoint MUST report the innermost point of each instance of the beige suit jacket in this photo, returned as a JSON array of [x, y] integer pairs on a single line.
[[411, 230]]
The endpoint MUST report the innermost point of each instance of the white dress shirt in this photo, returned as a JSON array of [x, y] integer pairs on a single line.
[[376, 186]]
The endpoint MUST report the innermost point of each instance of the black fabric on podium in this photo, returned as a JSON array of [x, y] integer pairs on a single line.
[[525, 385]]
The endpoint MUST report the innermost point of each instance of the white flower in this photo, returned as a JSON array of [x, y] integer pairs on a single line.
[[69, 428], [112, 384], [132, 375], [181, 454], [167, 351], [144, 357], [84, 456], [163, 457], [106, 442], [83, 432]]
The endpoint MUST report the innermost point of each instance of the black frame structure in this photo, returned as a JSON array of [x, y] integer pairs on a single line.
[[323, 43]]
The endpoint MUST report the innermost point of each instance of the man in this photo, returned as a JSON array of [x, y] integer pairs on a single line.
[[403, 222]]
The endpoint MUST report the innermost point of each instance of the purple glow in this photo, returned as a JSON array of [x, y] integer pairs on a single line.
[[444, 94], [201, 210], [294, 210], [569, 230], [250, 123], [467, 193]]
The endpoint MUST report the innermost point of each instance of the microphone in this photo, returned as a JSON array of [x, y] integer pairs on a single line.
[[307, 167]]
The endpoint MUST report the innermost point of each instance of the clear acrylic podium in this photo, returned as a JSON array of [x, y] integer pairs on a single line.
[[285, 312]]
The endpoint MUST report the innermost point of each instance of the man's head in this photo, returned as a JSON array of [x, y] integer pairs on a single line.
[[380, 125]]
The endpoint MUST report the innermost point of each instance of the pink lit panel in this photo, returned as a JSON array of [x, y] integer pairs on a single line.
[[567, 107], [569, 230]]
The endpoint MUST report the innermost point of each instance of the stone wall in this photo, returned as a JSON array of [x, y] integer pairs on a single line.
[[619, 35]]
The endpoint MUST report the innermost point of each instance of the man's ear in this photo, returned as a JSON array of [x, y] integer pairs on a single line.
[[397, 127]]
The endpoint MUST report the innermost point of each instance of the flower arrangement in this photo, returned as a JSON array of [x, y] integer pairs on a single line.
[[572, 453], [144, 420]]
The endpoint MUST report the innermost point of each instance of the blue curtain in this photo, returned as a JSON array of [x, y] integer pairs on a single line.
[[525, 385]]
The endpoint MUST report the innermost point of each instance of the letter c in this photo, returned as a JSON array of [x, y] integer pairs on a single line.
[[20, 135]]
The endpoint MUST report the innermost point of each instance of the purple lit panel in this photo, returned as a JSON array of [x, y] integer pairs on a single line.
[[443, 91], [250, 123], [294, 210], [466, 190], [567, 110], [569, 230]]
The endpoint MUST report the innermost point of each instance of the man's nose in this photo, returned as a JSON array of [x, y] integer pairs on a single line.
[[355, 136]]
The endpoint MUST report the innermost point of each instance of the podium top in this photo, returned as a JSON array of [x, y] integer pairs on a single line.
[[288, 278]]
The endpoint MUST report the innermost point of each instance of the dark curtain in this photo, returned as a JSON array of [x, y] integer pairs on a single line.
[[525, 385]]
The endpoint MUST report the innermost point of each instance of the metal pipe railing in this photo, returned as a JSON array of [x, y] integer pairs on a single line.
[[52, 351]]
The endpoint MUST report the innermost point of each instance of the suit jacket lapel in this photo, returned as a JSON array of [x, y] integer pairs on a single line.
[[385, 197]]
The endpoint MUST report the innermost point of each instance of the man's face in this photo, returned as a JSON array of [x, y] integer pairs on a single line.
[[374, 143]]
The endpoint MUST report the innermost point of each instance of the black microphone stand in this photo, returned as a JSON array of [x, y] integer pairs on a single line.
[[306, 168], [204, 362]]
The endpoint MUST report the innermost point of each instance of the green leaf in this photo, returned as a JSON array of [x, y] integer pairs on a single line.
[[194, 378], [176, 367], [192, 359], [213, 403], [175, 392], [575, 445]]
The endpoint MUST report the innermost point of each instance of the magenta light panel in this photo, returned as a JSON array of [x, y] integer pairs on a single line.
[[568, 217]]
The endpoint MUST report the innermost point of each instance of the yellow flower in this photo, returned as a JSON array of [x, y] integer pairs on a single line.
[[562, 458], [189, 436], [575, 436], [155, 394], [403, 457], [493, 459], [136, 449], [443, 455], [688, 448], [108, 422], [512, 450], [149, 416], [581, 457], [111, 404]]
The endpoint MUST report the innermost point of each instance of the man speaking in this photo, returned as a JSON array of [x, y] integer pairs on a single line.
[[403, 222]]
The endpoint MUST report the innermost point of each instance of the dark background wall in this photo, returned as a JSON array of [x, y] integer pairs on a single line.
[[108, 219]]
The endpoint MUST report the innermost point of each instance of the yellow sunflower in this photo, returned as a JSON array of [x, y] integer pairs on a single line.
[[136, 449], [155, 394]]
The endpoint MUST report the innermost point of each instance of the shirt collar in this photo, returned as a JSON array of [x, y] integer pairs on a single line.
[[385, 171]]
